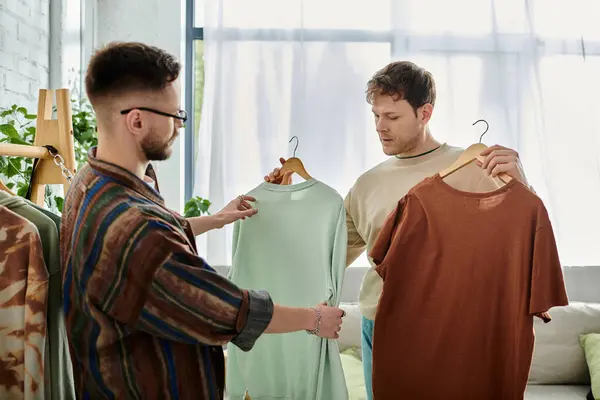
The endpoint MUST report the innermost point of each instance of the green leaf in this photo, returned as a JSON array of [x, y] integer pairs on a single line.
[[85, 136], [10, 185], [22, 191], [30, 116], [59, 203], [191, 210], [6, 113], [11, 170], [10, 131], [196, 206], [19, 141], [22, 110]]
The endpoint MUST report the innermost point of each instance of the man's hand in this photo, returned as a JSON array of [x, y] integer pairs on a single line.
[[331, 321], [238, 208], [500, 159], [278, 178]]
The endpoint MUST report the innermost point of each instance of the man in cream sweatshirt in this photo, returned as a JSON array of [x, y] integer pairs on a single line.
[[402, 96]]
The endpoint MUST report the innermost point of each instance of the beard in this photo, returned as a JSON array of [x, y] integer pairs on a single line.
[[155, 148]]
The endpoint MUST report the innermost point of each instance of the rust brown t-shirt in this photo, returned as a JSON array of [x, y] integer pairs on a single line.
[[463, 275]]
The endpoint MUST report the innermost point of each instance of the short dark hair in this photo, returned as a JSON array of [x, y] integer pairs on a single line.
[[122, 67], [403, 80]]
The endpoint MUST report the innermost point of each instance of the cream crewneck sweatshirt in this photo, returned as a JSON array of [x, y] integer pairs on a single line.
[[373, 197]]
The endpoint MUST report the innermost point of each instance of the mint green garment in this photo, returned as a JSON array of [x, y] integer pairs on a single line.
[[58, 372], [295, 248]]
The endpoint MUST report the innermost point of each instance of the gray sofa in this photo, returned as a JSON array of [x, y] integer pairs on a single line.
[[559, 370]]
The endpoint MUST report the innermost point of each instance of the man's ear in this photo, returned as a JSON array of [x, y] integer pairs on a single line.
[[134, 122], [424, 113]]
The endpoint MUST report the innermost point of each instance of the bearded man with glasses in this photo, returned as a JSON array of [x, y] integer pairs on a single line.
[[146, 316]]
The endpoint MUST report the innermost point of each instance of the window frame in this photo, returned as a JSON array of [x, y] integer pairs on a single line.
[[193, 33]]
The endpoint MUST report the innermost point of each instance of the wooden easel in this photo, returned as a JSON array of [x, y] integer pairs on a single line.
[[54, 132]]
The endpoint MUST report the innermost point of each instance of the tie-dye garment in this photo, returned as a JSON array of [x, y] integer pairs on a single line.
[[23, 296]]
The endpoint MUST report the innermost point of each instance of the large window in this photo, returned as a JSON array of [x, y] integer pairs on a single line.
[[298, 67]]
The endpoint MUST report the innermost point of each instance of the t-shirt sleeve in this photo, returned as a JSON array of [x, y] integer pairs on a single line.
[[356, 244], [547, 282], [393, 226]]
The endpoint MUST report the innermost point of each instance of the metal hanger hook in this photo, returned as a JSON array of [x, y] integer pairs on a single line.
[[487, 126], [297, 143]]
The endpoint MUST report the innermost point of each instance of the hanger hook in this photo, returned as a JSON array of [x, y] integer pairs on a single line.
[[297, 143], [487, 126]]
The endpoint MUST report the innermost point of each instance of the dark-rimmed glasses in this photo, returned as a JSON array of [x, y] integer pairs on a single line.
[[181, 114]]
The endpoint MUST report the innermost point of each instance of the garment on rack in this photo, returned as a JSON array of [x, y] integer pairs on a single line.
[[23, 295], [463, 274], [295, 248], [58, 368], [61, 372]]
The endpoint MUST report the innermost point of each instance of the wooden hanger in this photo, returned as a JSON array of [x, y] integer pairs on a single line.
[[471, 154], [57, 133], [5, 188], [295, 164]]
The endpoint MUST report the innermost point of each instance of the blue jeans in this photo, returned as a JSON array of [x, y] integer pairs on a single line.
[[367, 354]]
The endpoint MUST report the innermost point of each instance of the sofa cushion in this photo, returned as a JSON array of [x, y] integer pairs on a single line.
[[558, 357], [591, 347], [556, 392], [350, 333], [353, 372]]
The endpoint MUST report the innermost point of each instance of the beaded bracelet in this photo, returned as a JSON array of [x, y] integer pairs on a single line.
[[319, 317]]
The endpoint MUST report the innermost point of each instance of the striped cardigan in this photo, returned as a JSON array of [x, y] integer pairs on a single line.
[[146, 316]]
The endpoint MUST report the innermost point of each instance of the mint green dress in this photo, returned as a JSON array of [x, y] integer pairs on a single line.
[[295, 248]]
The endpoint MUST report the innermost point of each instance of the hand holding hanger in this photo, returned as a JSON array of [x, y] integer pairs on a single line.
[[279, 178], [497, 161], [283, 175], [500, 159]]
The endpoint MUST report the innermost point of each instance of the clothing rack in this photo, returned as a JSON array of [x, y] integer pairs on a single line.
[[53, 145]]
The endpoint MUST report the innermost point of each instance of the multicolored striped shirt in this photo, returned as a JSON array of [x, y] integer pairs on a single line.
[[146, 316]]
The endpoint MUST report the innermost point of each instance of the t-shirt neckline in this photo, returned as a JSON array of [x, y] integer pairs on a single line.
[[288, 188], [481, 195]]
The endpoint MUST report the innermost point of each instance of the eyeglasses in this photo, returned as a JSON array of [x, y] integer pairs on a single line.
[[181, 114]]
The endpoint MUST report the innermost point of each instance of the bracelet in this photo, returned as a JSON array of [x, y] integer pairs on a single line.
[[319, 317]]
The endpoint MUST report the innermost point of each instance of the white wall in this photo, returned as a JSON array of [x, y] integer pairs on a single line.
[[159, 23], [24, 51]]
